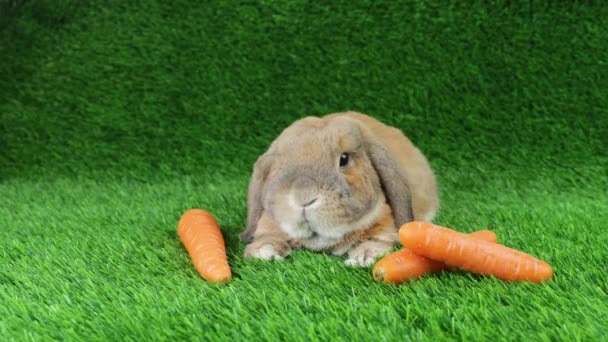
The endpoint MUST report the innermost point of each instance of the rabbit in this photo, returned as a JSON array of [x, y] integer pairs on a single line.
[[342, 184]]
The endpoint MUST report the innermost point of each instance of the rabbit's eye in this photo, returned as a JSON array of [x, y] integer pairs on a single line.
[[344, 158]]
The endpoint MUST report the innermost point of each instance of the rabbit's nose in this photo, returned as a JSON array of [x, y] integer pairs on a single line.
[[306, 199], [309, 202], [305, 193], [304, 183]]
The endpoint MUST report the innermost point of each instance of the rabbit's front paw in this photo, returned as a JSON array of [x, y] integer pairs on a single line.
[[367, 252], [267, 250]]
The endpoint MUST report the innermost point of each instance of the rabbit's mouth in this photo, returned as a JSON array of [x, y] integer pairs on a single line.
[[304, 223], [298, 230]]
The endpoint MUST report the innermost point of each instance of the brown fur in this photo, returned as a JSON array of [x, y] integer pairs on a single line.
[[425, 201], [268, 232], [382, 230], [354, 209]]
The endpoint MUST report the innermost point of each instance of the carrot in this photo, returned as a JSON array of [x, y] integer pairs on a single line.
[[473, 255], [405, 265], [202, 238]]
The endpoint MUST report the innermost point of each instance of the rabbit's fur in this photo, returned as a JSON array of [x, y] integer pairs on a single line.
[[303, 194]]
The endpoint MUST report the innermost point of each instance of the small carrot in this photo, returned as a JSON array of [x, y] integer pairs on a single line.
[[471, 254], [199, 232], [405, 265]]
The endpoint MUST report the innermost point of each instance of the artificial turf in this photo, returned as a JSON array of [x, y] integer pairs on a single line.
[[116, 117]]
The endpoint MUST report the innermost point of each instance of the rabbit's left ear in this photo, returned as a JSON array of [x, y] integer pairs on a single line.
[[254, 194], [392, 179]]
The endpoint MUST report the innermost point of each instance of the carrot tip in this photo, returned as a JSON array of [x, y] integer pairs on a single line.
[[378, 274], [224, 280]]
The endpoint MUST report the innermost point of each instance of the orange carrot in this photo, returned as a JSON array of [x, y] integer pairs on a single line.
[[202, 238], [471, 254], [404, 265]]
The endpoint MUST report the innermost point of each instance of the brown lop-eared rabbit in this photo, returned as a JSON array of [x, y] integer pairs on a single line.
[[343, 183]]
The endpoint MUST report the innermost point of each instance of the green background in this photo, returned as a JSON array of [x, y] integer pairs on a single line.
[[116, 117]]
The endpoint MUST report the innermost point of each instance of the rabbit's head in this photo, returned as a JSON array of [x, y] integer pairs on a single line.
[[326, 177]]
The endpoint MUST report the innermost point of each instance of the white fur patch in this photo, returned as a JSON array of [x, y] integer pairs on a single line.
[[365, 222], [330, 237], [317, 239], [292, 202], [428, 217], [296, 232], [363, 262], [291, 199], [367, 252], [267, 252]]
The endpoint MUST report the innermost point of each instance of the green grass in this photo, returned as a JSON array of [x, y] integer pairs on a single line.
[[117, 117]]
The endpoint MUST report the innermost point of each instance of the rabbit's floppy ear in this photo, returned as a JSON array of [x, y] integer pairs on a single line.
[[392, 179], [254, 194]]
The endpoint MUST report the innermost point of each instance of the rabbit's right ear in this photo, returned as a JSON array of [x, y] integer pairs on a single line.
[[393, 181], [254, 195]]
